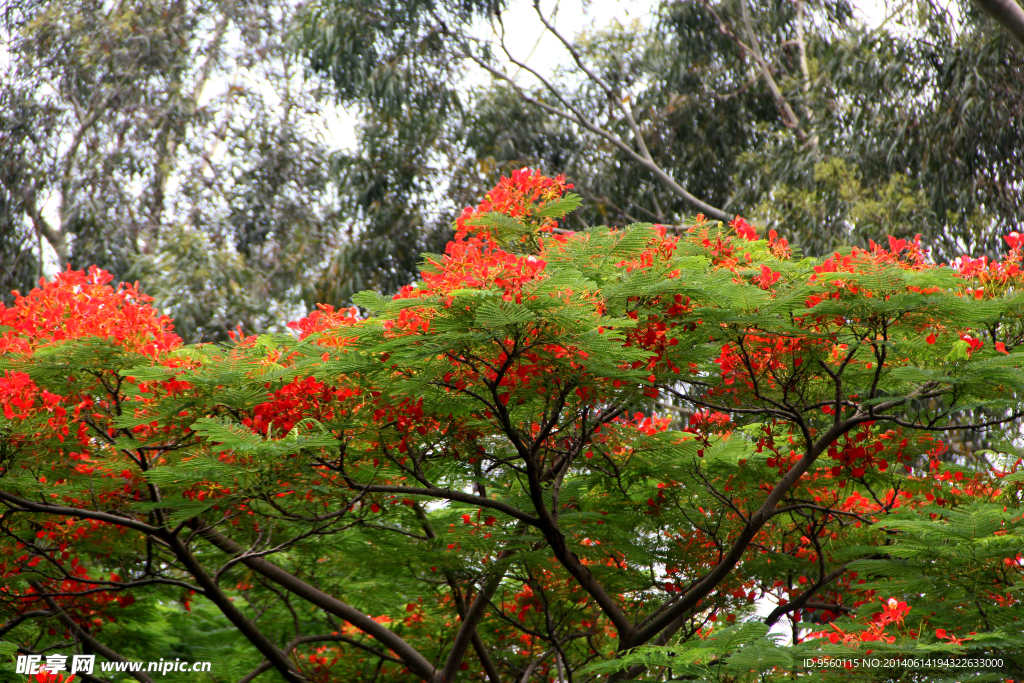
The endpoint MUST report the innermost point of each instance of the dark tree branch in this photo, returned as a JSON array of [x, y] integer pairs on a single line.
[[13, 623], [449, 494], [213, 593], [1008, 13], [460, 605], [470, 621], [83, 636], [416, 662], [804, 598], [22, 505]]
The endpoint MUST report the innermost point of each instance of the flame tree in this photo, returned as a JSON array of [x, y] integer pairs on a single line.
[[559, 456]]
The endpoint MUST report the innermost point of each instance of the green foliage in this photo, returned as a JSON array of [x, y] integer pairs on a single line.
[[489, 432]]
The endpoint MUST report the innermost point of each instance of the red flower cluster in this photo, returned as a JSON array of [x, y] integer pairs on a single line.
[[522, 196], [326, 319], [298, 400], [79, 304]]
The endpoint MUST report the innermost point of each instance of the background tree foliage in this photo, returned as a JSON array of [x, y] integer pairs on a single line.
[[170, 141], [794, 113], [135, 136]]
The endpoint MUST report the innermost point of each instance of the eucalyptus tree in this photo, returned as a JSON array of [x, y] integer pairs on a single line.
[[172, 141], [797, 114]]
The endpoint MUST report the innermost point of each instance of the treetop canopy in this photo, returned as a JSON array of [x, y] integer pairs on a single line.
[[557, 456]]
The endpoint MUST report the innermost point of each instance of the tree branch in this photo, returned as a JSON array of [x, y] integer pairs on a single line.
[[757, 520], [804, 598], [450, 494], [83, 636], [21, 505], [470, 621], [213, 592], [13, 623], [416, 662], [577, 117], [1008, 13]]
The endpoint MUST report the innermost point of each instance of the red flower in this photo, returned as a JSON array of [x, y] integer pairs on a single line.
[[743, 228], [767, 278]]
